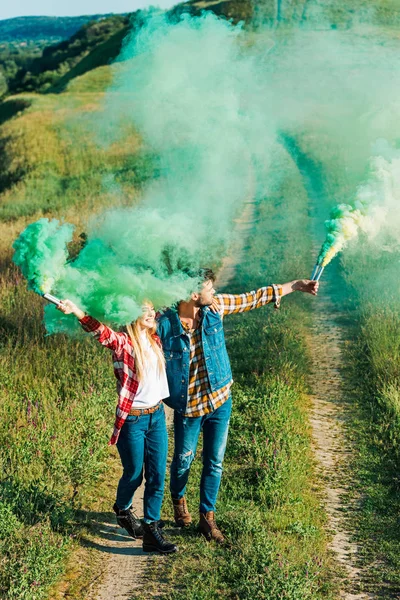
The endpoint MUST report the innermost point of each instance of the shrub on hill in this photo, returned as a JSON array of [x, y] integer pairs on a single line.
[[236, 10]]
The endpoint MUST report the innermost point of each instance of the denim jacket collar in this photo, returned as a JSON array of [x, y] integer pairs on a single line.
[[177, 329]]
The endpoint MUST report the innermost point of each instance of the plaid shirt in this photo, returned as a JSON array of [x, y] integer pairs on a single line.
[[201, 399], [124, 367]]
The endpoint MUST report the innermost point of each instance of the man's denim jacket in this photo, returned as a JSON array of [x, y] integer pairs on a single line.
[[176, 345]]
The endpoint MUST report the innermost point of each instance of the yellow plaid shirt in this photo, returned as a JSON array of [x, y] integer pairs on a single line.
[[201, 400]]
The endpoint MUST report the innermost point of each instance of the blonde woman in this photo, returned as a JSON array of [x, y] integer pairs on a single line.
[[140, 431]]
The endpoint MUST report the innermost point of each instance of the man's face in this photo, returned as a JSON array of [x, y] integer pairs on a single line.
[[206, 294]]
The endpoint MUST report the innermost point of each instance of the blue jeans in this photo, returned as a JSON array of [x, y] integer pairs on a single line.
[[143, 441], [215, 434]]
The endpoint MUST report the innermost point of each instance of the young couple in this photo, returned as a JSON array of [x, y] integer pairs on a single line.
[[186, 365]]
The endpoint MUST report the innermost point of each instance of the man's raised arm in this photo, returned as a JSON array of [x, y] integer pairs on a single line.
[[229, 304]]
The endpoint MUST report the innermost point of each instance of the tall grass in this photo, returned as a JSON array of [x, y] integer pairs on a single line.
[[57, 403], [50, 160]]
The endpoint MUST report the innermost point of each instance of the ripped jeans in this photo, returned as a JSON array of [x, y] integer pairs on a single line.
[[215, 434]]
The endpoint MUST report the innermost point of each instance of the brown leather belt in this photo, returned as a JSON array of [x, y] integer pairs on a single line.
[[137, 412]]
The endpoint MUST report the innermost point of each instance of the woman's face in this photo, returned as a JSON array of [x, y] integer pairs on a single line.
[[148, 318]]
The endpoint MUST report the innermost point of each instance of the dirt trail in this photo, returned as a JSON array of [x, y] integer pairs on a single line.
[[109, 564], [330, 404], [243, 227], [332, 449]]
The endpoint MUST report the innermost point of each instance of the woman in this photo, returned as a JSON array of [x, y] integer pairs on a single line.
[[140, 431]]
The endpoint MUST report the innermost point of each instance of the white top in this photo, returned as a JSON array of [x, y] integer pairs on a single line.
[[154, 386]]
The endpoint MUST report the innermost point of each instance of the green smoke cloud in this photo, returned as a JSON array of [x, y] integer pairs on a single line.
[[41, 253], [191, 108], [209, 101]]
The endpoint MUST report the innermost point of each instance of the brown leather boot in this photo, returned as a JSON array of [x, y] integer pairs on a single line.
[[208, 528], [182, 516]]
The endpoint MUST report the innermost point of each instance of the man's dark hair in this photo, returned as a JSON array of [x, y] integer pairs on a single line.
[[206, 274]]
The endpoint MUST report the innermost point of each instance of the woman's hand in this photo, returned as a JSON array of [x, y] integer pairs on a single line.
[[69, 308]]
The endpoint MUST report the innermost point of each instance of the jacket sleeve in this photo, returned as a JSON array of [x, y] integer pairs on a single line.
[[105, 335]]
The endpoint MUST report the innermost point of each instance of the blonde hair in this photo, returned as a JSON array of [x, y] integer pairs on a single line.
[[141, 357]]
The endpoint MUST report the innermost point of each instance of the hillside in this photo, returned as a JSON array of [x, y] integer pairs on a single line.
[[56, 60], [28, 29], [95, 44], [34, 51], [34, 65]]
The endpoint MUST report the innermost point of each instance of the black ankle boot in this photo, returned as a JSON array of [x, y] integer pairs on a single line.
[[154, 541], [129, 521]]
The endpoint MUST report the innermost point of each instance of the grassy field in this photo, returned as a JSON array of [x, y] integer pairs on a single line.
[[55, 416], [58, 394]]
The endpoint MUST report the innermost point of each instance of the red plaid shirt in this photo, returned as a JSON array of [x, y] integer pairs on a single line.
[[124, 367]]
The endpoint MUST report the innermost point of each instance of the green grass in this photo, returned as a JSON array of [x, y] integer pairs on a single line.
[[54, 425], [57, 395], [51, 162]]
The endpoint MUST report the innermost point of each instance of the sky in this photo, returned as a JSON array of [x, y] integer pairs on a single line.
[[22, 8]]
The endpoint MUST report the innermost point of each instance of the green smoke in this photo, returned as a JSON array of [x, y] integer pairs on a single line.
[[374, 212], [209, 100], [194, 111], [41, 253]]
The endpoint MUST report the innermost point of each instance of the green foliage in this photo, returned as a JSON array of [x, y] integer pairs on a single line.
[[235, 10], [32, 558], [27, 41]]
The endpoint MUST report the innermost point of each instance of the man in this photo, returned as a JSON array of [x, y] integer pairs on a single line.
[[200, 379]]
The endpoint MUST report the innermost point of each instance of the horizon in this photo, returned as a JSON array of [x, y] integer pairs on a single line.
[[75, 8]]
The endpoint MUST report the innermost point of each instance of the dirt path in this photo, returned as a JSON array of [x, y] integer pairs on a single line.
[[330, 404], [332, 449], [243, 227]]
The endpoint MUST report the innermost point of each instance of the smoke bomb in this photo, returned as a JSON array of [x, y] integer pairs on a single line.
[[52, 299], [314, 272]]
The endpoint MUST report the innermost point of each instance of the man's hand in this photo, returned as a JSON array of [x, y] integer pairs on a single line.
[[306, 285], [300, 285], [69, 308]]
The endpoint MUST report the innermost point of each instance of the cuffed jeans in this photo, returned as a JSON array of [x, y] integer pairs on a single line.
[[215, 434], [143, 441]]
